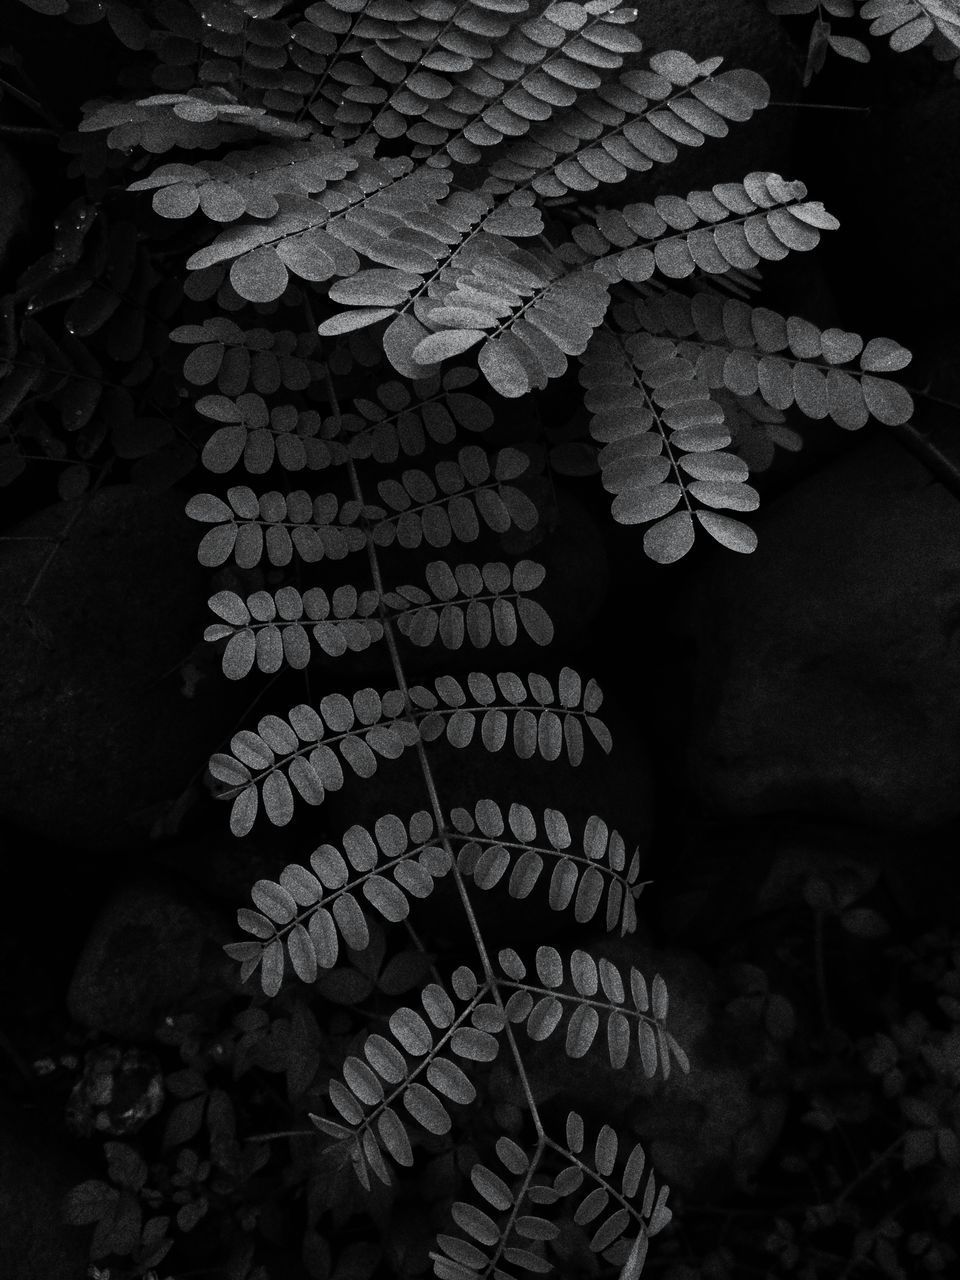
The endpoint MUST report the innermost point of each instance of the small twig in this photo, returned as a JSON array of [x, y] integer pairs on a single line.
[[430, 782], [938, 463], [926, 395], [42, 457], [35, 106], [881, 1159], [418, 943], [31, 133], [822, 106], [64, 373], [283, 1133]]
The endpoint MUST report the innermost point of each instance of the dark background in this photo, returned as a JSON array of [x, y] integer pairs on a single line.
[[787, 731]]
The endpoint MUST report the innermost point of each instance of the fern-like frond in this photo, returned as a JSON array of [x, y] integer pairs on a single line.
[[462, 496], [664, 435], [414, 1069], [297, 754], [607, 1239], [305, 753], [463, 603], [466, 224], [529, 320], [472, 603], [238, 360], [508, 1236], [628, 124], [759, 219], [787, 360], [435, 53], [308, 910], [405, 417], [497, 844], [273, 523], [279, 114], [453, 503], [533, 70], [343, 91], [259, 436], [245, 48], [246, 183], [598, 992], [318, 238], [910, 22], [664, 444], [395, 419], [488, 1246], [538, 718], [529, 311], [267, 630], [202, 120]]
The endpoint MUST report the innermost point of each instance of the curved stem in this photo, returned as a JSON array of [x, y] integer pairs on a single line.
[[281, 1133], [432, 793], [938, 463]]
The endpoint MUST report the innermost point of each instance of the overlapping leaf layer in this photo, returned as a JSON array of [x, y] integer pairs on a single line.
[[376, 206]]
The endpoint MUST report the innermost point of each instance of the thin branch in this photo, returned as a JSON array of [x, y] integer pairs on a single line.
[[34, 104], [923, 448], [419, 944], [282, 1133], [29, 133], [822, 106], [871, 1169], [431, 786]]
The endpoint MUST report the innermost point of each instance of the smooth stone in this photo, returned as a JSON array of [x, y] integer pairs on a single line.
[[152, 949], [828, 667]]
